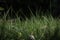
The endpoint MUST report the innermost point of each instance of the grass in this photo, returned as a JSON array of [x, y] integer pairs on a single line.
[[41, 28]]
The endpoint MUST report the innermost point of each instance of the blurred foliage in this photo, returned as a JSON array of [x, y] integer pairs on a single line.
[[1, 8]]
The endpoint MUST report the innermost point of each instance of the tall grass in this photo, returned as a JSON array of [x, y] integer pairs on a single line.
[[42, 28]]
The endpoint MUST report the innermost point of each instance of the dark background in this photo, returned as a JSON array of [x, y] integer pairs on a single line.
[[52, 6]]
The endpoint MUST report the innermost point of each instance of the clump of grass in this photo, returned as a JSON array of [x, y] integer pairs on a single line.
[[41, 28]]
